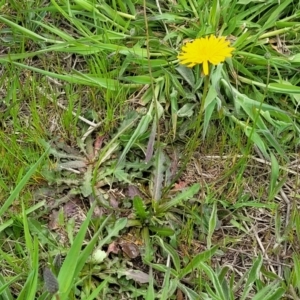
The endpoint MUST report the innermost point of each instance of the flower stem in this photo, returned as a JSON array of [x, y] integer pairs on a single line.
[[201, 111], [205, 90], [194, 141]]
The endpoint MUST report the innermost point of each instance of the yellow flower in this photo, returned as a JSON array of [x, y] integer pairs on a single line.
[[204, 50]]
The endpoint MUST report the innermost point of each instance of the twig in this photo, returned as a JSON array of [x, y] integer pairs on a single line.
[[90, 130], [263, 161], [260, 244], [287, 217], [73, 112]]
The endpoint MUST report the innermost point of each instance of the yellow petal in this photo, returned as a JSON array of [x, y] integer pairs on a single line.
[[210, 49], [205, 67]]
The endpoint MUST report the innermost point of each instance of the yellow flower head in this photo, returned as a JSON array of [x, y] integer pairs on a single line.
[[203, 50]]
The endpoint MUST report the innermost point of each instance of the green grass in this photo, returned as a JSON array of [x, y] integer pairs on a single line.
[[127, 176]]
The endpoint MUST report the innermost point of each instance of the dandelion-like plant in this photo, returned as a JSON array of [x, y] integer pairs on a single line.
[[209, 50], [205, 50]]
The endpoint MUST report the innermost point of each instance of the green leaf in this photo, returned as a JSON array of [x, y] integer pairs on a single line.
[[184, 195], [253, 275], [158, 173], [142, 79], [187, 74], [172, 252], [30, 287], [174, 109], [207, 116], [139, 208], [162, 231], [86, 187], [141, 129], [24, 31], [150, 295], [284, 88], [212, 224], [275, 14], [78, 78], [192, 295], [114, 231], [69, 269], [187, 110], [4, 287], [215, 281], [197, 261], [87, 251], [273, 176], [296, 270], [270, 292], [96, 292], [15, 193]]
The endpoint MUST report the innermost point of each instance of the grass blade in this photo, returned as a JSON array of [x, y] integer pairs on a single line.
[[15, 193]]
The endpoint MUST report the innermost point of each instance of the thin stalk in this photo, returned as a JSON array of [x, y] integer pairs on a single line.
[[194, 141]]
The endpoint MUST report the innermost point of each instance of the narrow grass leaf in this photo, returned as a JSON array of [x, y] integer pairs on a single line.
[[196, 262], [212, 225], [158, 174], [275, 14], [15, 193], [164, 269], [27, 212], [162, 230], [296, 271], [184, 195], [26, 286], [148, 256], [172, 252], [28, 239], [118, 226], [214, 15], [151, 141], [64, 36], [150, 295], [210, 104], [141, 129], [31, 286], [141, 79], [96, 292], [270, 292], [222, 277], [256, 204], [252, 276], [273, 176], [174, 109], [256, 139], [277, 294], [273, 142], [24, 31], [73, 78], [86, 252], [166, 285], [67, 271], [192, 295], [284, 88], [215, 281], [4, 287]]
